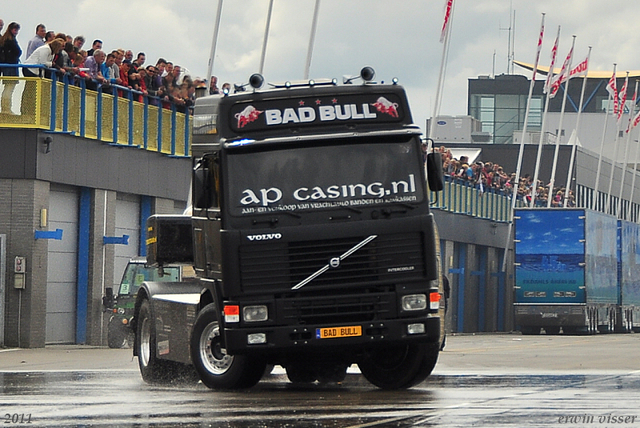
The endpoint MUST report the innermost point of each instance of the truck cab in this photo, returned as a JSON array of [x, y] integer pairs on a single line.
[[313, 239]]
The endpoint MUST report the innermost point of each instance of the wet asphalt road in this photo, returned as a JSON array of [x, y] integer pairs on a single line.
[[484, 380]]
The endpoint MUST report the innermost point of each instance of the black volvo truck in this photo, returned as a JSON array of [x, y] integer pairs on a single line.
[[312, 237]]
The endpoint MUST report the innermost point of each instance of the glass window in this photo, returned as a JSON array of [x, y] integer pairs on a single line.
[[535, 113], [508, 101], [297, 180]]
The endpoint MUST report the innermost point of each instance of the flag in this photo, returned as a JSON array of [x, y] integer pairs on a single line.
[[634, 122], [613, 91], [580, 69], [563, 76], [535, 66], [622, 95], [447, 17], [554, 51]]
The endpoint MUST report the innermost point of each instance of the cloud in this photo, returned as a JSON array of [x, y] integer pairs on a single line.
[[399, 39]]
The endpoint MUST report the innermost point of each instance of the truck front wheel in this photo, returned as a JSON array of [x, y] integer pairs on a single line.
[[218, 370], [399, 366]]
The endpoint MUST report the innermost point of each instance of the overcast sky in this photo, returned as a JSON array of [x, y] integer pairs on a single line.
[[399, 38]]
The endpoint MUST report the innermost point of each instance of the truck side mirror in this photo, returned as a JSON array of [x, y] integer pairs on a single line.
[[201, 188], [435, 176], [107, 299]]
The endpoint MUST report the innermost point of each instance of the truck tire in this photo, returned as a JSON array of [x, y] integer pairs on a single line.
[[116, 336], [216, 369], [399, 367], [527, 330], [300, 373], [331, 373], [152, 369], [552, 330]]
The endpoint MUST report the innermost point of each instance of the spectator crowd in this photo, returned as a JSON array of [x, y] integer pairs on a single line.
[[115, 71], [489, 176]]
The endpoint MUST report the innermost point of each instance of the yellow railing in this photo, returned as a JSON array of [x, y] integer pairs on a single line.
[[60, 106]]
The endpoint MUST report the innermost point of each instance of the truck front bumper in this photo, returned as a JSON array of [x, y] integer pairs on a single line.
[[345, 336], [550, 315]]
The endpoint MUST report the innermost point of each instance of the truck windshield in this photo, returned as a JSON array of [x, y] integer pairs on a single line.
[[137, 273], [312, 178]]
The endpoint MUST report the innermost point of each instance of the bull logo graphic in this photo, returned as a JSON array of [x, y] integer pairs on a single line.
[[383, 105], [248, 115]]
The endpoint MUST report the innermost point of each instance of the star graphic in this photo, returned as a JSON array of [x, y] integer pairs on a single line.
[[318, 102], [301, 103], [335, 100]]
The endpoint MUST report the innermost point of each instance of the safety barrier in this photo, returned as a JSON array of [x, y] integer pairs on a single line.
[[461, 197], [58, 105]]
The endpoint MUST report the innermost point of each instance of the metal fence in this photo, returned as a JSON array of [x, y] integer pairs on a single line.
[[62, 104], [462, 197]]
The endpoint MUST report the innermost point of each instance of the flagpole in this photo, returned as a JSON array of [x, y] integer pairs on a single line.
[[604, 132], [516, 185], [626, 152], [214, 41], [534, 189], [566, 72], [614, 160], [635, 172], [573, 146], [444, 38], [312, 38], [266, 37]]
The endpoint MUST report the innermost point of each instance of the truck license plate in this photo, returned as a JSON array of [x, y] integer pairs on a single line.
[[332, 332]]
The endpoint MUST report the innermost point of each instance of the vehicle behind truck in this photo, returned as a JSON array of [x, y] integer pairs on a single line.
[[566, 273], [312, 236], [121, 304]]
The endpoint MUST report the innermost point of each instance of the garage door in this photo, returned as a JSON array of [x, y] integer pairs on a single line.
[[127, 223], [62, 266]]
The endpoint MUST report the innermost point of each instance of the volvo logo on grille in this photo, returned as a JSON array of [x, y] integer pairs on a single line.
[[265, 237], [334, 262]]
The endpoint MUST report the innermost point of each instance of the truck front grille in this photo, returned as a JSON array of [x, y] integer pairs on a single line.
[[282, 265], [372, 304]]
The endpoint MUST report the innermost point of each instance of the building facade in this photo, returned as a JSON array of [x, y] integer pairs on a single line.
[[80, 171], [500, 102]]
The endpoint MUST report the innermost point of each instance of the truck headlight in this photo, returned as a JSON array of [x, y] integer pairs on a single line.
[[414, 302], [255, 313]]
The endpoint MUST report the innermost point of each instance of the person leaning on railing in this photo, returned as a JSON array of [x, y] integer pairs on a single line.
[[9, 54], [43, 56]]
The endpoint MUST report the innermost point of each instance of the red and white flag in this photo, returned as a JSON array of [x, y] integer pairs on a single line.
[[447, 18], [622, 95], [634, 122], [554, 51], [612, 88], [563, 76], [580, 69], [535, 65]]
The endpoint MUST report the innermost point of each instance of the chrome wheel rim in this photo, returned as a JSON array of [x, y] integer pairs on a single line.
[[211, 355], [145, 342]]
